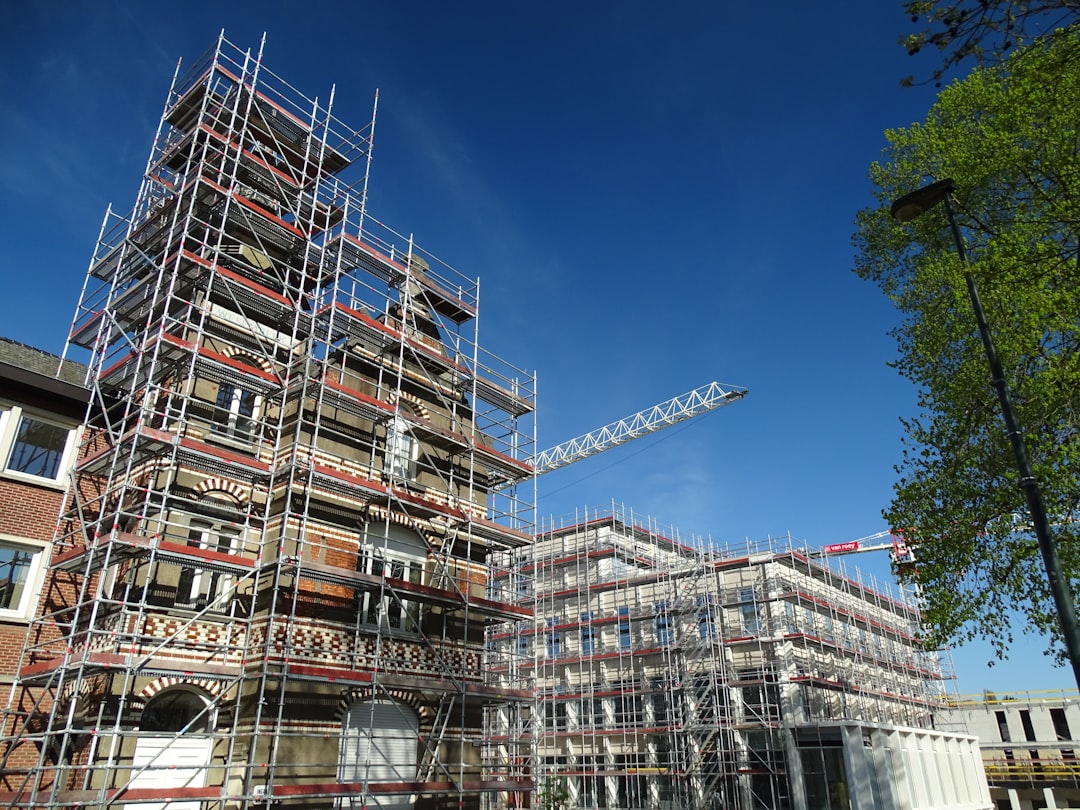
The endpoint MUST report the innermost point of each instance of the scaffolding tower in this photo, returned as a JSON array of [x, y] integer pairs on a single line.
[[673, 673], [272, 581]]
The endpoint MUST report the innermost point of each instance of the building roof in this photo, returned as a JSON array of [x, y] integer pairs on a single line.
[[36, 368]]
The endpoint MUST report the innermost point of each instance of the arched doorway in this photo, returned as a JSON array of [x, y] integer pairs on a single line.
[[174, 745], [379, 743]]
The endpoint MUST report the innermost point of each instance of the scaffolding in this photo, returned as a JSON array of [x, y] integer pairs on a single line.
[[672, 673], [272, 581], [1029, 741]]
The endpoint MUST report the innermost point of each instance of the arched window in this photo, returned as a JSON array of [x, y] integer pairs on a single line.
[[397, 553], [379, 743], [176, 710]]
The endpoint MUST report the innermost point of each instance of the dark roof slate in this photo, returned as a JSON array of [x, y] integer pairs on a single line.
[[40, 362]]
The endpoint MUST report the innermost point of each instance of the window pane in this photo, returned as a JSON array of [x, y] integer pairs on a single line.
[[235, 409], [14, 569], [174, 711], [401, 449], [39, 447]]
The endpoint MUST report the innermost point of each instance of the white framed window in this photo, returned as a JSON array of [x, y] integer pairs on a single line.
[[400, 555], [201, 588], [36, 447], [402, 450], [235, 412], [390, 610], [22, 570], [748, 612]]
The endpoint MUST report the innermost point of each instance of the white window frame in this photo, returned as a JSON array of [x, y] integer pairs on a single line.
[[376, 562], [219, 586], [11, 416], [227, 416], [401, 451], [35, 576], [401, 555]]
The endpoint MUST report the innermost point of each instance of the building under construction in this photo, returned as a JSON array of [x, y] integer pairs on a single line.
[[1028, 742], [270, 583], [675, 674]]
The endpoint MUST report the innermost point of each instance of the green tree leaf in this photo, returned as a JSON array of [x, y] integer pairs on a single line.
[[984, 30], [1008, 135]]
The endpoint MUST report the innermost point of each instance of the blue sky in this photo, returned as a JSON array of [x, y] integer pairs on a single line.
[[653, 196]]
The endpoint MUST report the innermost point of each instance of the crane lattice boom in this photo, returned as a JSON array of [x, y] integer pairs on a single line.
[[678, 409]]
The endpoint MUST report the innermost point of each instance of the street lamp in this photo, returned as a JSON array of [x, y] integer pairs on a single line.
[[906, 209]]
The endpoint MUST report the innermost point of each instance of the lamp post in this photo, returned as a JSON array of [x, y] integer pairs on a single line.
[[906, 209]]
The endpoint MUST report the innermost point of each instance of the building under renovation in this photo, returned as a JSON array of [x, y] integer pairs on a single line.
[[672, 674], [270, 582], [1029, 745]]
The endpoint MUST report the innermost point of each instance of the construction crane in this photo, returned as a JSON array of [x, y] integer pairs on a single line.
[[899, 552], [679, 409]]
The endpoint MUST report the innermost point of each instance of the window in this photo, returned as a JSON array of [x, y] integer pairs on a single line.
[[706, 620], [587, 638], [554, 641], [1061, 731], [390, 552], [827, 629], [1003, 726], [624, 628], [521, 585], [663, 624], [234, 412], [22, 565], [748, 611], [555, 714], [1029, 729], [200, 588], [34, 446], [402, 450], [386, 608], [176, 710]]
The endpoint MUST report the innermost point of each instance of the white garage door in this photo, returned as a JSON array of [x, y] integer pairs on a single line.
[[379, 744], [170, 763]]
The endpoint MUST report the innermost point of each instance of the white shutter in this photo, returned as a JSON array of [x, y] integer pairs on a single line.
[[170, 763], [379, 743]]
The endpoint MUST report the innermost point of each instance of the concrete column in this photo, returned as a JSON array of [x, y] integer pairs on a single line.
[[857, 774]]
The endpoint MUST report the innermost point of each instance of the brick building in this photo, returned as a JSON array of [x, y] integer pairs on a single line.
[[303, 464], [42, 405], [41, 410]]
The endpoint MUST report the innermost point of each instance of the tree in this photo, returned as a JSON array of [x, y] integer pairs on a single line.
[[553, 794], [1010, 140], [984, 30]]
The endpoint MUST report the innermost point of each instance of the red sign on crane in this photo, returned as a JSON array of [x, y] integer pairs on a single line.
[[836, 548]]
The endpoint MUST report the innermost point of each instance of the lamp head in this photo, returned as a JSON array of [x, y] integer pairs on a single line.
[[914, 203]]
